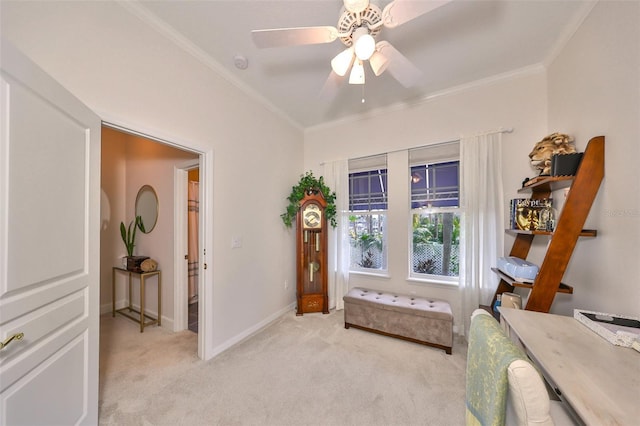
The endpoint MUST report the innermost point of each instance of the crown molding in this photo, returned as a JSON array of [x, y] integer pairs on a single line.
[[137, 9], [403, 106]]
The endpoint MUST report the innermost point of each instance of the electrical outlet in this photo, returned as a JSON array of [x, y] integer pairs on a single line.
[[286, 284], [236, 241]]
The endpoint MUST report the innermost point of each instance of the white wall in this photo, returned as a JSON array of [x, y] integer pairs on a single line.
[[518, 101], [594, 89], [132, 76]]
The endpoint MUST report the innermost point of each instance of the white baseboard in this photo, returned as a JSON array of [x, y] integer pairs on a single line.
[[251, 330]]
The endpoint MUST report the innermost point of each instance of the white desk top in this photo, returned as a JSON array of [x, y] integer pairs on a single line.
[[600, 381]]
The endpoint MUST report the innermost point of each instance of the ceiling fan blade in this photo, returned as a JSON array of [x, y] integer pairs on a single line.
[[400, 11], [294, 36], [399, 66]]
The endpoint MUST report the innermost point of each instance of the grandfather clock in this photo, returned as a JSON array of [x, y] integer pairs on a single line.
[[311, 253]]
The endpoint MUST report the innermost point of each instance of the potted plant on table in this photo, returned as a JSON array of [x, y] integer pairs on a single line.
[[128, 235]]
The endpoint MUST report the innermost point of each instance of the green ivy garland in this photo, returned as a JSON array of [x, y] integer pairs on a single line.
[[307, 184]]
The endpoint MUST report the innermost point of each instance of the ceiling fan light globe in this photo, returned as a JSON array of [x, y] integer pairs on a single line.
[[378, 63], [357, 73], [365, 45], [342, 62], [356, 6]]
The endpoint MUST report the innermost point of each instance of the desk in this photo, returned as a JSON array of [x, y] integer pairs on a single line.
[[127, 310], [599, 382]]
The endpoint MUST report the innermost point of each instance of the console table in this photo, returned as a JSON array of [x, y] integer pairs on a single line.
[[142, 317], [598, 381]]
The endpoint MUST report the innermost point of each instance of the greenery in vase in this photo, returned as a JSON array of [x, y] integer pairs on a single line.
[[309, 184], [129, 235]]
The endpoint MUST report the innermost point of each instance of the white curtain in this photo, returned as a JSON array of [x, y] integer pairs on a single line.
[[336, 177], [192, 249], [483, 212]]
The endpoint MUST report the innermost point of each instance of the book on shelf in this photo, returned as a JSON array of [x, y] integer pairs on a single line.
[[531, 214]]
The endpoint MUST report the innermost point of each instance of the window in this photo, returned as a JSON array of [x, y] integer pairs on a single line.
[[435, 216], [435, 185], [367, 214]]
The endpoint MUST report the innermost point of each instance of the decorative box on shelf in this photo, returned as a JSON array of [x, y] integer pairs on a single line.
[[518, 269], [565, 164], [134, 262]]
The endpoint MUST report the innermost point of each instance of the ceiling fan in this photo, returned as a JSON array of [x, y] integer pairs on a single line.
[[359, 24]]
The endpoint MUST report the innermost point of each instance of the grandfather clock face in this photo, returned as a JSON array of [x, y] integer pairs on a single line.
[[312, 217]]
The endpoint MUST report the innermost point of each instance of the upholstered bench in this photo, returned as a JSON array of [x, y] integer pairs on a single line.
[[417, 319]]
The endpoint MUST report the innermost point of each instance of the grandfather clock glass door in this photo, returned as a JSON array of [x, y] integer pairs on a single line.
[[311, 226]]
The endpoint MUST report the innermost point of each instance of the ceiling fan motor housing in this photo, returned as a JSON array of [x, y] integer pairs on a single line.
[[348, 23]]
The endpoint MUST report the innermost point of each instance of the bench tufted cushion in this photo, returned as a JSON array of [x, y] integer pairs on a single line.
[[418, 319], [415, 305]]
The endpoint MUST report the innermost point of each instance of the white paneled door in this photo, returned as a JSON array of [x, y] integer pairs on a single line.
[[49, 249]]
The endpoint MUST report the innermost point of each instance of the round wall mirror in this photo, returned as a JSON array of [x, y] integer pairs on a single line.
[[147, 207]]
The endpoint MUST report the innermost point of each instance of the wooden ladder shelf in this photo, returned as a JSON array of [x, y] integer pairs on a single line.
[[583, 190]]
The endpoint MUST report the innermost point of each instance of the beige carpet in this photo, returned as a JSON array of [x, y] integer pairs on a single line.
[[305, 370]]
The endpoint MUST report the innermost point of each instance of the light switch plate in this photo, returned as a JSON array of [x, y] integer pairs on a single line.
[[236, 241]]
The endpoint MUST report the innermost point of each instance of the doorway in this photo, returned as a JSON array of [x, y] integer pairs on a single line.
[[193, 220], [129, 160]]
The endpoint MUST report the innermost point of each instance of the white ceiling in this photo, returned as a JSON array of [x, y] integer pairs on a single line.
[[460, 43]]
